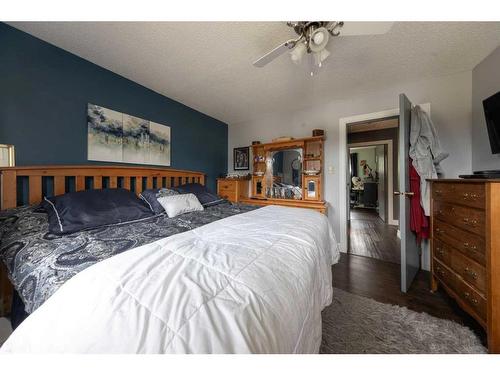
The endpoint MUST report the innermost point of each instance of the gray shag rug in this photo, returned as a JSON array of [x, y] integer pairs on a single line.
[[354, 325]]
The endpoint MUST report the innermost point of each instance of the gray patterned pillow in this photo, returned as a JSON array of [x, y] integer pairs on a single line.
[[150, 196]]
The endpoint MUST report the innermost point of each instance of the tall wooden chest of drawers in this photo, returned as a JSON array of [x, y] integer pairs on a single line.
[[465, 248]]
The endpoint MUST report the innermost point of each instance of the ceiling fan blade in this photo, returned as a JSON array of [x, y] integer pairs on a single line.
[[365, 28], [278, 51]]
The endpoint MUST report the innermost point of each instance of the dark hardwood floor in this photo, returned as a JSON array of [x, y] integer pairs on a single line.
[[379, 280], [369, 236]]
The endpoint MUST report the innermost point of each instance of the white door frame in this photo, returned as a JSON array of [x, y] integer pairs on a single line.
[[390, 175], [343, 122]]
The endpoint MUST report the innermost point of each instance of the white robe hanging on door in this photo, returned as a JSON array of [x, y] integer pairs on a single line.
[[425, 151]]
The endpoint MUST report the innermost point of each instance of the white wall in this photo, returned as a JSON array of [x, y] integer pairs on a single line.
[[485, 82], [450, 99]]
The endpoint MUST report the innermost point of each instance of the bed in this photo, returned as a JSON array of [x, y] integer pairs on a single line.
[[229, 279]]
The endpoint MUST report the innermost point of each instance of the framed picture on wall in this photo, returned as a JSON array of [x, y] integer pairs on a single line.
[[118, 137], [241, 156]]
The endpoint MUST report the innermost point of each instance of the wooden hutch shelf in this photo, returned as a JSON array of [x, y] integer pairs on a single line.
[[318, 206], [263, 184]]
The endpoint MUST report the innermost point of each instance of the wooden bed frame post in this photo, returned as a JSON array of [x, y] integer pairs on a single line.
[[9, 189], [6, 292], [59, 173]]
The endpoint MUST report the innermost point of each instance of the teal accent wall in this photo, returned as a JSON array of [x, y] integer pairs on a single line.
[[44, 91]]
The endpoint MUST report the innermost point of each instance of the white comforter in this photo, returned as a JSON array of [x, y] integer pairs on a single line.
[[250, 283]]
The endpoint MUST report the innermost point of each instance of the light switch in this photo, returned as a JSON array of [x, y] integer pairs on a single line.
[[331, 169]]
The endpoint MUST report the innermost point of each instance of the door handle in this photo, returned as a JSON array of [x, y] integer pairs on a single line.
[[407, 193]]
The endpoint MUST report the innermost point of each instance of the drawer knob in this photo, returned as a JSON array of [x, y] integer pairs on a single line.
[[472, 222], [471, 273], [440, 251], [467, 246], [471, 299], [439, 271]]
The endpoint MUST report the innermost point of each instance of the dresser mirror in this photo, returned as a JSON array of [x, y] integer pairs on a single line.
[[286, 171]]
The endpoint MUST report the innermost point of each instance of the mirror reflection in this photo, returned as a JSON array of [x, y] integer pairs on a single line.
[[287, 174]]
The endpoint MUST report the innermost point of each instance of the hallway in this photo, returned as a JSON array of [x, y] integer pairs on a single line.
[[369, 236]]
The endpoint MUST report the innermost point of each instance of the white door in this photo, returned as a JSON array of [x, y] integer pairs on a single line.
[[410, 251]]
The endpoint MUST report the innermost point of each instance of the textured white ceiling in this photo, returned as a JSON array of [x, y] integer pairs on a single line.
[[208, 66]]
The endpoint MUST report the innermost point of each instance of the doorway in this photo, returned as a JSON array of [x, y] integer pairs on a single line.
[[372, 209], [412, 256]]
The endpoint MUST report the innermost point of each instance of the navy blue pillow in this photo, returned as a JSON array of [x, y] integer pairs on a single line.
[[150, 196], [73, 212], [204, 195]]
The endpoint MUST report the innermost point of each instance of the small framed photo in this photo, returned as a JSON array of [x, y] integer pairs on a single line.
[[241, 157]]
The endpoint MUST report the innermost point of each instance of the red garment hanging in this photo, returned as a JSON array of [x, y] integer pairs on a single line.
[[419, 223]]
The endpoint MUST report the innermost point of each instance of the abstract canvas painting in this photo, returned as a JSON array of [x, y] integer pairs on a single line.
[[135, 140], [122, 138], [159, 144], [105, 133]]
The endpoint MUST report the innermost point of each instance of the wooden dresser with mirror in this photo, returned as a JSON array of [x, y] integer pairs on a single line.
[[465, 247], [288, 173]]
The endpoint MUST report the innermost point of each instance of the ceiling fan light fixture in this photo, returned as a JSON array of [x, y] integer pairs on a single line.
[[321, 56], [318, 39], [313, 37], [298, 52]]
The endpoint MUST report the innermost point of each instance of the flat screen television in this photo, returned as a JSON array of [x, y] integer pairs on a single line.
[[492, 114]]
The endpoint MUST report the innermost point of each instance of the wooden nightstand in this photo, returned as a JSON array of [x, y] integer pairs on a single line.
[[232, 189]]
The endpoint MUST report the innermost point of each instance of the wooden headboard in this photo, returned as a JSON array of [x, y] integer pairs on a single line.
[[59, 179], [80, 177]]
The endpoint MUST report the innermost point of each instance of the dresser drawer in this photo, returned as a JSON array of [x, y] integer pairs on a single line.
[[230, 195], [227, 186], [442, 252], [471, 271], [471, 244], [443, 274], [470, 219], [471, 298], [467, 194]]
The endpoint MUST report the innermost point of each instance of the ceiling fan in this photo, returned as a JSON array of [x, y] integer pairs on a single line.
[[313, 37]]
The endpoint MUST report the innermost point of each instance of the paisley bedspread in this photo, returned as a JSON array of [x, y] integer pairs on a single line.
[[39, 262]]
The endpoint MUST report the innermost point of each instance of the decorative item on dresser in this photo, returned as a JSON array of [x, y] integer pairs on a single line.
[[465, 243], [288, 173], [233, 189]]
